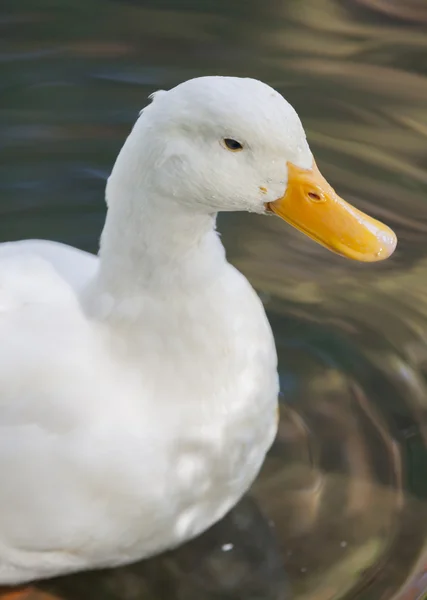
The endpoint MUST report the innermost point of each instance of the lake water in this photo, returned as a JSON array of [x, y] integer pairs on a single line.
[[340, 509]]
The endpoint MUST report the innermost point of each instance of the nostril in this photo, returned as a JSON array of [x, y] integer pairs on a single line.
[[315, 197]]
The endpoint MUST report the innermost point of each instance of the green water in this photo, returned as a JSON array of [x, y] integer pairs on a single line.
[[340, 508]]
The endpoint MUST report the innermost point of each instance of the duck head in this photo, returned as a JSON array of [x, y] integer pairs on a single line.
[[232, 144]]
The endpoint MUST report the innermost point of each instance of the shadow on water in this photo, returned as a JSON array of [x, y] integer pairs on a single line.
[[339, 511]]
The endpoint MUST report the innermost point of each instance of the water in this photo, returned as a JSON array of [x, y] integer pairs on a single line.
[[340, 509]]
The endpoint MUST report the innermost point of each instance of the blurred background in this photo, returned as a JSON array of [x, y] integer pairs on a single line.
[[340, 509]]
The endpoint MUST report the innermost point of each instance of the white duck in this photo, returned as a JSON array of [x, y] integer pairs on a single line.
[[138, 389]]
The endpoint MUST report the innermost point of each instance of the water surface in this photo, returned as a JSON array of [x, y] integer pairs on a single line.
[[340, 509]]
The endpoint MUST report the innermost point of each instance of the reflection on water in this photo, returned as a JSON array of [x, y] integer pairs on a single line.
[[340, 509]]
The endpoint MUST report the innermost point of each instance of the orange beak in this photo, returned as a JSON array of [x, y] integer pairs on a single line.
[[312, 206]]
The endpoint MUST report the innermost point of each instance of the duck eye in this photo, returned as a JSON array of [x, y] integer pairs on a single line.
[[233, 145]]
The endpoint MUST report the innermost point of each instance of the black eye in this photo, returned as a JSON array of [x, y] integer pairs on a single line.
[[233, 145]]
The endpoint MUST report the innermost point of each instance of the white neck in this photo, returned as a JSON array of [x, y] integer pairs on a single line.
[[150, 242], [158, 246]]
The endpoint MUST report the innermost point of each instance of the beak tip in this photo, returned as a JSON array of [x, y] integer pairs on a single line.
[[388, 242], [381, 249]]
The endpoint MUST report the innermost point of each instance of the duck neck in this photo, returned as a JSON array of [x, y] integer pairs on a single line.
[[150, 243]]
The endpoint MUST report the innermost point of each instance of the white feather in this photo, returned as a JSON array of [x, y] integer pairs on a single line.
[[138, 390]]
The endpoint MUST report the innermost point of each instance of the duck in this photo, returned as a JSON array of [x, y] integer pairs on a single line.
[[139, 386]]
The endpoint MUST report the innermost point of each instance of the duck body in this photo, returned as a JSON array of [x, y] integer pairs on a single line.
[[138, 388], [89, 485]]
